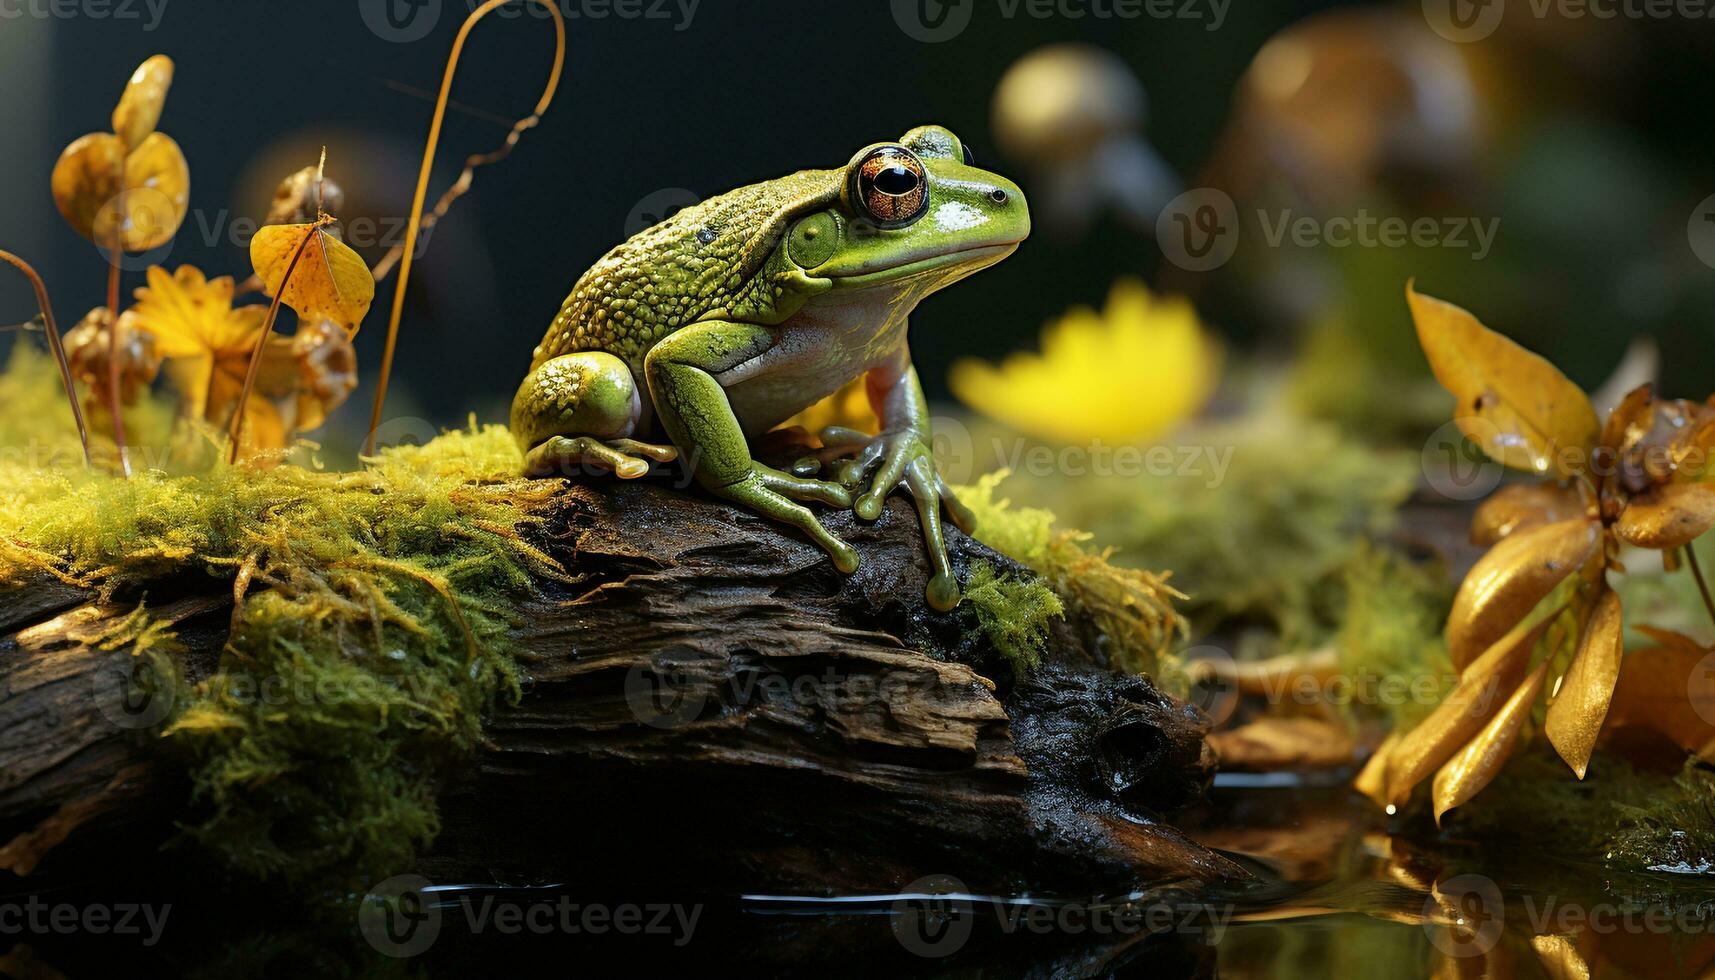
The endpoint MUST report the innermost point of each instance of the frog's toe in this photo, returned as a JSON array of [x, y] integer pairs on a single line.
[[942, 592], [567, 455], [801, 488], [805, 467]]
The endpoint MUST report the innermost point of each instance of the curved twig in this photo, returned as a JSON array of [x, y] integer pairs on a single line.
[[235, 430], [53, 332], [415, 226]]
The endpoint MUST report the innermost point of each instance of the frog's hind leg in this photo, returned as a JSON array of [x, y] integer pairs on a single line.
[[581, 409]]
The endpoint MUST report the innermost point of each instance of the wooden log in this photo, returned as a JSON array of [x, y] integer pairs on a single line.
[[711, 708]]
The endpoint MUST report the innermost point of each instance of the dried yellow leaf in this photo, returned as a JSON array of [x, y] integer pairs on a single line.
[[1508, 582], [1465, 775], [1575, 715], [89, 173], [1473, 701], [330, 280], [1511, 402], [1631, 419], [140, 104], [1520, 506], [1669, 516]]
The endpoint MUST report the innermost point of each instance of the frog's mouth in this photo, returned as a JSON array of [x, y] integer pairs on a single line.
[[969, 260]]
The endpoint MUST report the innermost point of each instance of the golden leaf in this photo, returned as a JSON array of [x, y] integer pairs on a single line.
[[1126, 374], [1669, 516], [1511, 402], [330, 280], [1575, 715], [1668, 689], [1371, 780], [1465, 775], [1512, 578], [140, 104], [1520, 506], [89, 174], [144, 196], [1472, 702]]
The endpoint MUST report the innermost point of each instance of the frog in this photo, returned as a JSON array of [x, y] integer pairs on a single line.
[[696, 338]]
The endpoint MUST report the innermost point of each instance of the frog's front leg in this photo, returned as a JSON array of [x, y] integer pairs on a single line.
[[693, 408], [903, 453]]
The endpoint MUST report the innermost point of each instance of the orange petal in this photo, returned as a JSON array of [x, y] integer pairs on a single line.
[[1668, 516], [1581, 702], [1519, 506], [1513, 403], [1474, 700], [1508, 582], [1465, 775]]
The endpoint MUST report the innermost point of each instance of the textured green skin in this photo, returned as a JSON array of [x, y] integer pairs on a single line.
[[714, 342]]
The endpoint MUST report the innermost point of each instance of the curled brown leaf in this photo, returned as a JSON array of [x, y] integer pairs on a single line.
[[1669, 516]]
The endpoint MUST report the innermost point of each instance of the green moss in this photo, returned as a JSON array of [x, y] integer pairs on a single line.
[[1132, 609], [1390, 630], [372, 634], [1628, 818], [1013, 612]]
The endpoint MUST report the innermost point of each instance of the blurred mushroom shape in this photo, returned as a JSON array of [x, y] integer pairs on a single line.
[[1074, 116]]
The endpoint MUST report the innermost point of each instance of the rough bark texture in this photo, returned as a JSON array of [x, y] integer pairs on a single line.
[[713, 708]]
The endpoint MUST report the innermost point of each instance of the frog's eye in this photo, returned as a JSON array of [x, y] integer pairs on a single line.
[[889, 187]]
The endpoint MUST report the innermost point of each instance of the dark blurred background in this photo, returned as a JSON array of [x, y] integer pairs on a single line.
[[1590, 141]]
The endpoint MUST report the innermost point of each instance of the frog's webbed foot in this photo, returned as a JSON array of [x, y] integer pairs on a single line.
[[626, 458], [774, 494], [896, 458]]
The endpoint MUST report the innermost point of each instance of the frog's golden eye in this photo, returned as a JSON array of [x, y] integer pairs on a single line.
[[889, 187]]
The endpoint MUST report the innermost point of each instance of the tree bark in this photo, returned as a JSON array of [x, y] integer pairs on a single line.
[[712, 708]]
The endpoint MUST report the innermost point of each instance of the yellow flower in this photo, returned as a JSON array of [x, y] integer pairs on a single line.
[[1126, 374], [208, 344]]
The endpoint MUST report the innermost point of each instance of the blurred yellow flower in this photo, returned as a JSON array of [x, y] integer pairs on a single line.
[[1124, 375]]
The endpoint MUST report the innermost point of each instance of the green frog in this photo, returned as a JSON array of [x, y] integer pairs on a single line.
[[702, 334]]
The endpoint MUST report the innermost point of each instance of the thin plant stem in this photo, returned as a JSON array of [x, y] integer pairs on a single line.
[[55, 346], [1702, 585], [415, 227], [235, 431], [113, 354]]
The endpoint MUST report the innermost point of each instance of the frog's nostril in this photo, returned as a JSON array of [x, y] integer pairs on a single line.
[[998, 196]]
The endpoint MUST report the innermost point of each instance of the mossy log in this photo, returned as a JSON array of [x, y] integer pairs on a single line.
[[709, 706]]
